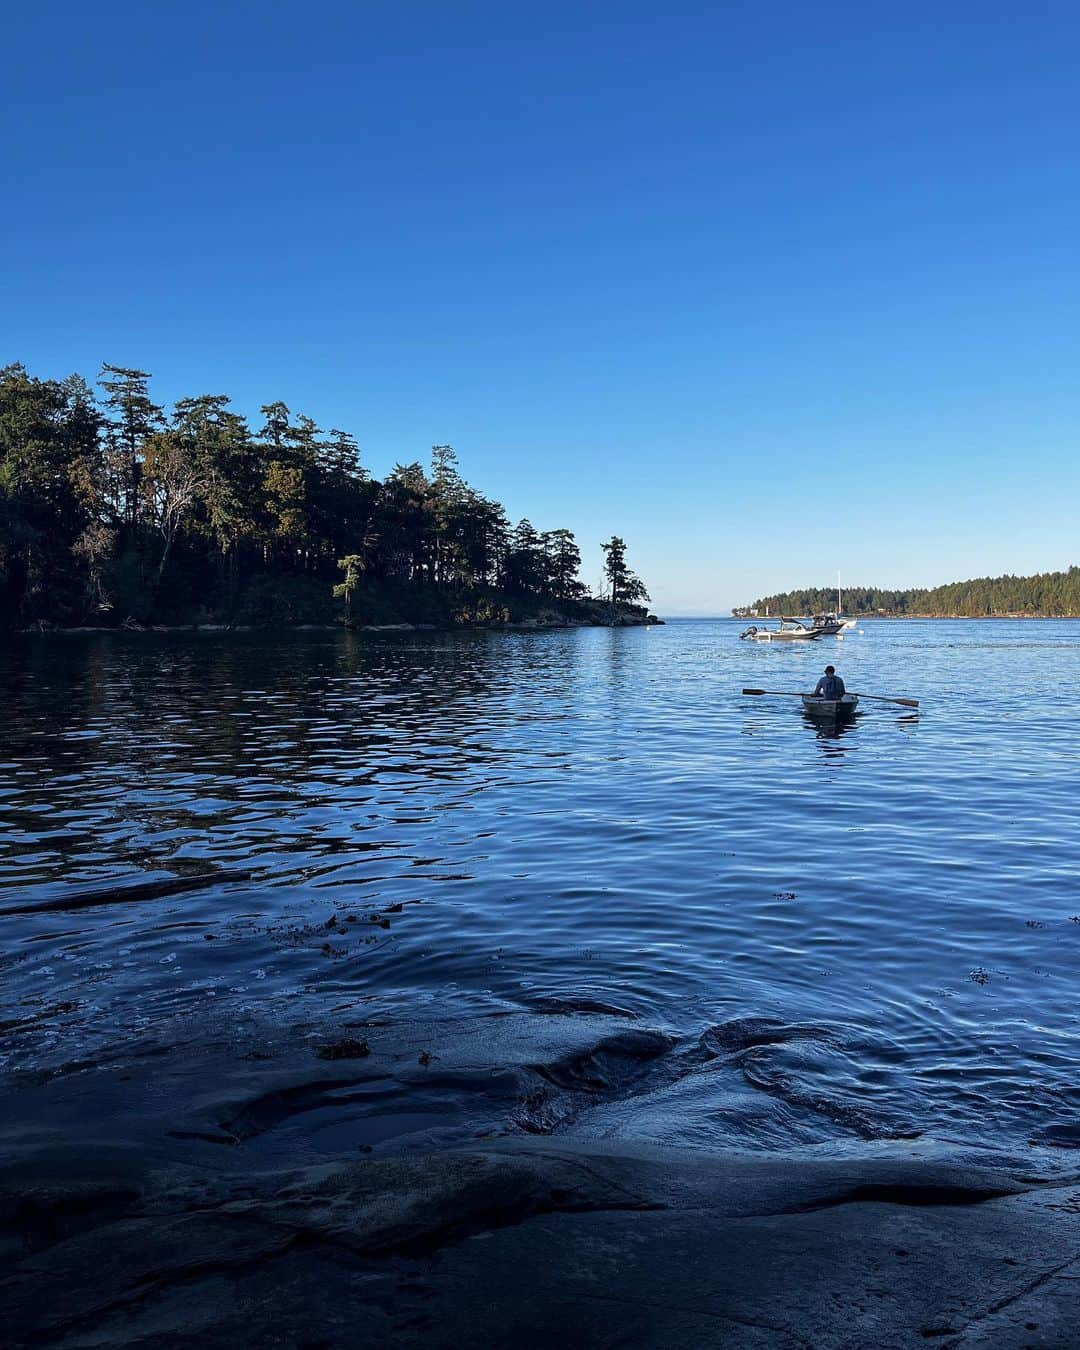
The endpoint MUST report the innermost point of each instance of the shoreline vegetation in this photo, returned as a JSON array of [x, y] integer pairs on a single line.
[[586, 614], [1045, 595], [116, 513]]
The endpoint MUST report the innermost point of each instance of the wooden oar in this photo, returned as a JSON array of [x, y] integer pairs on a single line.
[[878, 698]]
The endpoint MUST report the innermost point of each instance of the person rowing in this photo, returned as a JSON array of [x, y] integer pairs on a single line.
[[830, 686]]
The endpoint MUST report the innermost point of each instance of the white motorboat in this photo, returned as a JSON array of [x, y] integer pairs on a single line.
[[790, 630]]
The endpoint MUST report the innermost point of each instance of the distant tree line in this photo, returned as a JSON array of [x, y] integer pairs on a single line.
[[1052, 594], [114, 509]]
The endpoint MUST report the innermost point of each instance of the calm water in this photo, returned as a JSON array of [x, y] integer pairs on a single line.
[[583, 815]]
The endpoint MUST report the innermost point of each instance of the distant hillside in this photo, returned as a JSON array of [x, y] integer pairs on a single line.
[[1050, 594]]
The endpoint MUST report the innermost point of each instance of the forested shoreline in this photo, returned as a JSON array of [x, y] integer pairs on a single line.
[[115, 511], [1044, 595]]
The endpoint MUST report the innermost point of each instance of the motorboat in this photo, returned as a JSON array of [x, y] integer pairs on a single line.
[[790, 630], [832, 623], [830, 709]]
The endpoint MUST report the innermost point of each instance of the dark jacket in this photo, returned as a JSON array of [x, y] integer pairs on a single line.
[[830, 686]]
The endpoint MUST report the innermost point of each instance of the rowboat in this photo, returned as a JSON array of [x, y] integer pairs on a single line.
[[790, 630], [834, 709]]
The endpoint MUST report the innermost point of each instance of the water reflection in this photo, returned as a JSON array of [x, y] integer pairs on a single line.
[[495, 819], [830, 731]]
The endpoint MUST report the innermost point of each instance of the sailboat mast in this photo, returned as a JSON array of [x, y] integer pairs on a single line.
[[839, 602]]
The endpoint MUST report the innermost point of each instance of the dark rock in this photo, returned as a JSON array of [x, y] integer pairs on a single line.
[[346, 1049], [742, 1032], [637, 1247]]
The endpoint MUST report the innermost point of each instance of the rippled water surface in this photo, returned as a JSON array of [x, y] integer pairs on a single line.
[[461, 823]]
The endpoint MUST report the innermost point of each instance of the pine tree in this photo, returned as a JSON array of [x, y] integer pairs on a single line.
[[134, 417], [626, 588]]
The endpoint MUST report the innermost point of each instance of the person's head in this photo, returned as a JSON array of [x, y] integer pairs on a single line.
[[830, 670]]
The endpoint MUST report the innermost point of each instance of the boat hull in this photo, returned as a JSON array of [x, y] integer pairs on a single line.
[[830, 709], [793, 632], [783, 637]]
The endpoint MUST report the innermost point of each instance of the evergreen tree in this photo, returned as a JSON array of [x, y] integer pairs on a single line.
[[133, 417], [525, 561], [446, 491], [111, 508], [626, 588], [229, 512], [48, 428], [563, 564]]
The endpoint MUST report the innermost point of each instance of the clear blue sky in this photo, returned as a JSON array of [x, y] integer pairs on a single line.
[[767, 288]]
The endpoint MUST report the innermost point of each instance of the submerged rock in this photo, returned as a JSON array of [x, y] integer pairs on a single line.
[[216, 1197], [743, 1032], [344, 1049]]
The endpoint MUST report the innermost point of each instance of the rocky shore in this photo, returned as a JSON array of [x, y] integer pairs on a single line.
[[541, 623], [479, 1183]]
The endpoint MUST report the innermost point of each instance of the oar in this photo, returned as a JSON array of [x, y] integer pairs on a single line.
[[878, 698]]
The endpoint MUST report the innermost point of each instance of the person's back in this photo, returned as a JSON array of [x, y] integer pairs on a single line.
[[830, 685]]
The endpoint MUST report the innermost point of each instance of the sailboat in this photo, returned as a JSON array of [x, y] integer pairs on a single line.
[[834, 622]]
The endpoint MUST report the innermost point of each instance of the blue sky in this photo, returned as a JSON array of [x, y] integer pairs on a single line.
[[767, 288]]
